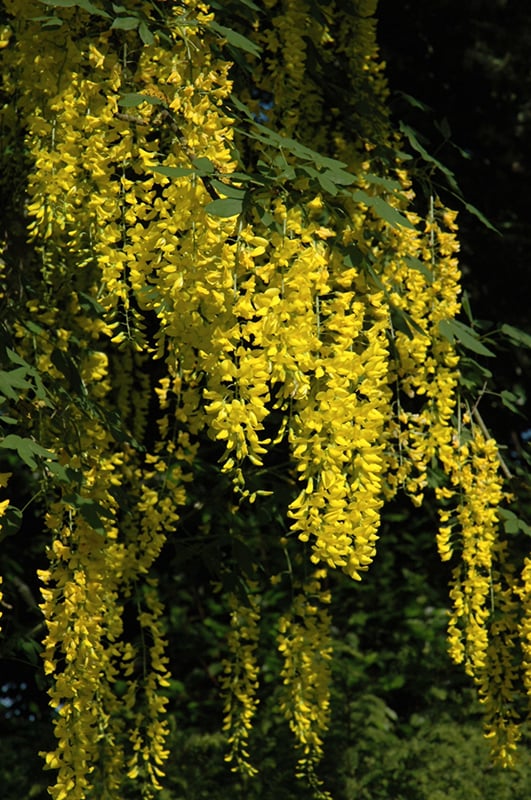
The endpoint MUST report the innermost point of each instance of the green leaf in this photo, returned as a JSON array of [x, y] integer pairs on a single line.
[[116, 427], [219, 6], [414, 102], [353, 256], [12, 380], [86, 5], [404, 322], [89, 303], [126, 23], [382, 209], [92, 9], [10, 522], [132, 99], [339, 177], [285, 172], [517, 335], [64, 474], [38, 330], [225, 208], [32, 650], [449, 175], [243, 177], [509, 400], [323, 161], [145, 34], [482, 218], [38, 388], [16, 359], [68, 368], [236, 39], [386, 183], [242, 107], [26, 448], [326, 184], [416, 145], [512, 524], [59, 3], [153, 100], [306, 169], [204, 165], [265, 217], [467, 308], [471, 367], [175, 172], [91, 511], [284, 143], [228, 189], [453, 330], [416, 263], [48, 22], [368, 266]]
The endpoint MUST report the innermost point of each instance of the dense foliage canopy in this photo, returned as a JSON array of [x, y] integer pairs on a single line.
[[234, 369]]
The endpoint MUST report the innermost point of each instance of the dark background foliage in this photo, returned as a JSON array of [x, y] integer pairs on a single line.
[[470, 67]]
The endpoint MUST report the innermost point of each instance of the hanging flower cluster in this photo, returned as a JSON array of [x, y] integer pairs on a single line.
[[475, 473], [500, 679], [275, 300], [305, 644], [116, 500], [240, 679]]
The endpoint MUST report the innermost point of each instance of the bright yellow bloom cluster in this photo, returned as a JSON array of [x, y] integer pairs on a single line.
[[524, 593], [148, 733], [4, 478], [285, 48], [240, 678], [484, 627], [289, 72], [337, 443], [305, 645], [423, 285], [114, 504], [478, 483], [499, 681]]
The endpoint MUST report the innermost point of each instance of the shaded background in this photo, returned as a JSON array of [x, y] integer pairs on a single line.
[[470, 64]]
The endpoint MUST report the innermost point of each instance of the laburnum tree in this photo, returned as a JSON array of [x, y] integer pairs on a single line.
[[212, 254]]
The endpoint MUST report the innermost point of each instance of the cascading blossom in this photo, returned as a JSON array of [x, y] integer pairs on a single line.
[[188, 281]]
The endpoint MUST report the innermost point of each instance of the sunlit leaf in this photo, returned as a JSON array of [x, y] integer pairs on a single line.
[[229, 207], [228, 189], [453, 330], [175, 172], [382, 209], [236, 39]]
